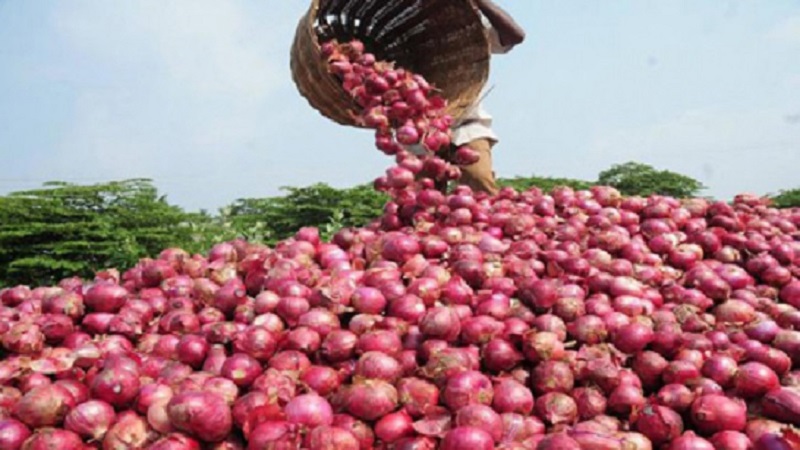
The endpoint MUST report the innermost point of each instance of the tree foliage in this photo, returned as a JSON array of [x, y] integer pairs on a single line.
[[272, 219], [634, 178], [787, 199], [65, 229], [546, 184]]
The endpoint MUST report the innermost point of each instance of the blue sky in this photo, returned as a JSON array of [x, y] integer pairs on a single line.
[[197, 95]]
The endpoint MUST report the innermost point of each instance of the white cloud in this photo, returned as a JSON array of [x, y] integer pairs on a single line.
[[787, 31], [756, 151]]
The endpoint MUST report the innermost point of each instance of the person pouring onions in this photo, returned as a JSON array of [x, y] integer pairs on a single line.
[[474, 128]]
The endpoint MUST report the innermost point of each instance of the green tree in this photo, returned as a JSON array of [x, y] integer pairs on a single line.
[[65, 229], [634, 178], [272, 219], [787, 198], [546, 184]]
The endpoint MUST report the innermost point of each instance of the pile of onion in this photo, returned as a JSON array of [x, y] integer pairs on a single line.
[[569, 319]]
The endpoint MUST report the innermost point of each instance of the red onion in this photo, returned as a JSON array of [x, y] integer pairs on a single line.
[[394, 426], [360, 430], [625, 398], [44, 406], [377, 365], [105, 297], [370, 399], [175, 441], [782, 404], [558, 441], [720, 368], [466, 388], [12, 434], [690, 441], [242, 369], [542, 346], [34, 380], [660, 424], [552, 376], [480, 329], [714, 413], [201, 414], [633, 337], [223, 387], [279, 385], [331, 438], [290, 360], [754, 379], [381, 341], [730, 440], [368, 300], [339, 345], [192, 350], [321, 379], [91, 419], [675, 396], [309, 410], [274, 434], [467, 437], [24, 338], [649, 366], [512, 397], [500, 355], [417, 396], [158, 417], [482, 417], [53, 439], [556, 408], [590, 402], [129, 431], [115, 386]]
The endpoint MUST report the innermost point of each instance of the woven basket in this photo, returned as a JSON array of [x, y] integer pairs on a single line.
[[443, 40]]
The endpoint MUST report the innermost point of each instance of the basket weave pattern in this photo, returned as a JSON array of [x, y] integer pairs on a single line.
[[443, 40]]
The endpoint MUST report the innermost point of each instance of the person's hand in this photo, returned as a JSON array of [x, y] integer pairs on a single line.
[[509, 31]]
